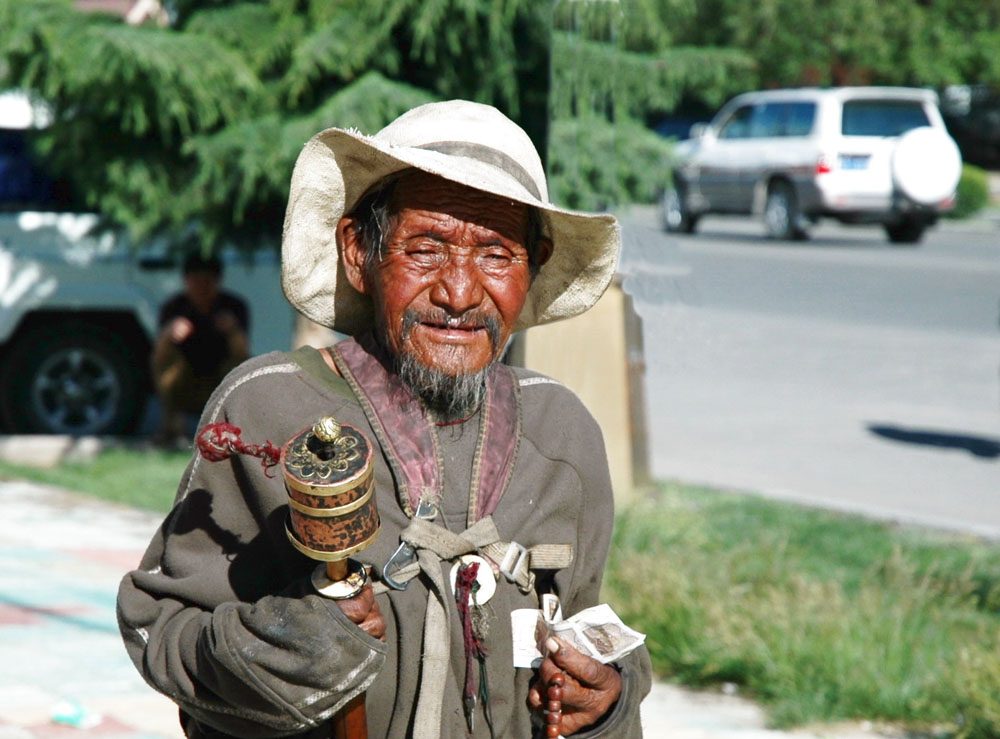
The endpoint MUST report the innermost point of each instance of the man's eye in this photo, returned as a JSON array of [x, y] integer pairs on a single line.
[[424, 252]]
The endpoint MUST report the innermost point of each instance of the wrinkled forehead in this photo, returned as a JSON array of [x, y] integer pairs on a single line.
[[423, 196]]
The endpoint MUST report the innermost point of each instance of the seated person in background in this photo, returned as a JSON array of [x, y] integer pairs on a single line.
[[202, 336]]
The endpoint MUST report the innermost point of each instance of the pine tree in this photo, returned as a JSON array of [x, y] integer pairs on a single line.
[[193, 128]]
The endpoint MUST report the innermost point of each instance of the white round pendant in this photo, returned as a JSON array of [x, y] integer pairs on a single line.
[[484, 576]]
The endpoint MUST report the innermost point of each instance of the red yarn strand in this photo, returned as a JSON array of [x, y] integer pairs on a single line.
[[219, 441]]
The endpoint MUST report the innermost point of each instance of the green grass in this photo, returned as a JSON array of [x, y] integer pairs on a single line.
[[145, 478], [821, 616]]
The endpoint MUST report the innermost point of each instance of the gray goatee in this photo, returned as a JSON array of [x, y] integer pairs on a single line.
[[448, 397]]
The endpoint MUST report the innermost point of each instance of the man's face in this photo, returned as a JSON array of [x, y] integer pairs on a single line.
[[202, 288], [454, 267]]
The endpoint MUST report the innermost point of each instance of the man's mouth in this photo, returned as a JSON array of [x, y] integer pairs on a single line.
[[454, 323], [458, 327]]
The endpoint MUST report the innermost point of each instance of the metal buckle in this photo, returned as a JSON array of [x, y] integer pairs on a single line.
[[515, 554], [405, 554]]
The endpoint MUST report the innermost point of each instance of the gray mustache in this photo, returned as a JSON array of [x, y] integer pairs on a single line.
[[476, 319]]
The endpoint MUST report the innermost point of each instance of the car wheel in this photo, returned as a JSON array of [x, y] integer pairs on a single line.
[[676, 217], [70, 378], [907, 231], [781, 213]]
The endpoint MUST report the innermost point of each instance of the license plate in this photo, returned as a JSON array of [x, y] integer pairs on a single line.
[[854, 161]]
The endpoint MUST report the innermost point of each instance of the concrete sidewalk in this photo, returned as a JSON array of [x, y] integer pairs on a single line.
[[65, 672]]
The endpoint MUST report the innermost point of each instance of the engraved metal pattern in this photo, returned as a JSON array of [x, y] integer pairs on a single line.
[[348, 457]]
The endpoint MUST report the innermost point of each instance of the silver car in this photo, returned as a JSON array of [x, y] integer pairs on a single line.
[[857, 154]]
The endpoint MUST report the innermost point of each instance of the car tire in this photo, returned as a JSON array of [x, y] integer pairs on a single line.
[[676, 216], [906, 231], [70, 377], [781, 213]]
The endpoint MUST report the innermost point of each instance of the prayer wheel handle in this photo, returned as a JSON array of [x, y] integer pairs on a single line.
[[332, 514], [331, 510]]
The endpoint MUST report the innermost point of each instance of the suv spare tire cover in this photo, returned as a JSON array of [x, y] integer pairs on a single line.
[[926, 165]]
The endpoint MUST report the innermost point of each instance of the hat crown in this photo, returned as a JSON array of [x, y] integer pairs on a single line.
[[473, 130]]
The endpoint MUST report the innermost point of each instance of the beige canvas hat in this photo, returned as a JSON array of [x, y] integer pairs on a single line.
[[469, 143]]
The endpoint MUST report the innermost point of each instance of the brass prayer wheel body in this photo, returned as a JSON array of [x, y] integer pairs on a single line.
[[330, 485]]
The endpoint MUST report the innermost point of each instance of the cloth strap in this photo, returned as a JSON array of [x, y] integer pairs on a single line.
[[484, 538], [433, 544]]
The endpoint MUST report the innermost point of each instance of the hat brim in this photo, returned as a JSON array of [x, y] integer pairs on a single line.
[[337, 166]]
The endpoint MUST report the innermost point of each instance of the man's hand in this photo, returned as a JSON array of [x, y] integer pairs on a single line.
[[179, 329], [590, 690], [363, 610]]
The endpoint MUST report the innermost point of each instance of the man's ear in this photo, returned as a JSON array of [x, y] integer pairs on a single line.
[[352, 252], [543, 250]]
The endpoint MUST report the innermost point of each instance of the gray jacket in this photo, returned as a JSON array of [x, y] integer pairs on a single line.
[[221, 616]]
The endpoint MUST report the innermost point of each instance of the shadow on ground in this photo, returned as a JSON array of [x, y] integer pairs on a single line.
[[979, 446]]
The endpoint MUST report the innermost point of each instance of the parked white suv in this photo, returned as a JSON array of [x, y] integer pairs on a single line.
[[78, 314], [78, 308], [857, 154]]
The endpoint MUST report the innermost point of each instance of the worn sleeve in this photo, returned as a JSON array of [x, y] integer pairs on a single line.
[[596, 522], [220, 615]]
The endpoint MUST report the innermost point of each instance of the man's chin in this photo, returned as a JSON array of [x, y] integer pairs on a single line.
[[449, 385]]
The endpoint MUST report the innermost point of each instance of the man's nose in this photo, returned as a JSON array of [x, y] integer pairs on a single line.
[[458, 287]]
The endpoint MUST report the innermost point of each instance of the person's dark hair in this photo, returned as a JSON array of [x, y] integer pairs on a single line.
[[373, 220], [198, 262]]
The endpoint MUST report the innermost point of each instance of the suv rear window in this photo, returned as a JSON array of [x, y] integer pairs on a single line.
[[882, 117]]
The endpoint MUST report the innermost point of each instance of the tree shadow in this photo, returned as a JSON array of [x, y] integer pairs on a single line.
[[979, 446]]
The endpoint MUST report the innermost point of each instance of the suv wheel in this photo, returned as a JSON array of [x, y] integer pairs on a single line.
[[906, 231], [676, 216], [70, 378], [781, 213]]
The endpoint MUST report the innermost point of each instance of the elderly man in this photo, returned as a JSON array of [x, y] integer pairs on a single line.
[[429, 244]]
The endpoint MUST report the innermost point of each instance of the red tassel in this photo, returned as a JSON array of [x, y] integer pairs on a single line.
[[219, 441]]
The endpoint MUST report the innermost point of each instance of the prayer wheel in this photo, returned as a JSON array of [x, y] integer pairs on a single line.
[[332, 515], [331, 491]]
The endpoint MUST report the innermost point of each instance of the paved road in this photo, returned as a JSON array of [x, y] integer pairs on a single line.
[[840, 371]]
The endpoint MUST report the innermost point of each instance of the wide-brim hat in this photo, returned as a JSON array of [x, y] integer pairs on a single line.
[[465, 142]]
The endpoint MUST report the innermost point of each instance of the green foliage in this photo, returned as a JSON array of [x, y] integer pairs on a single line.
[[144, 478], [195, 128], [849, 42], [973, 192], [979, 676], [594, 165], [246, 166], [595, 76], [822, 616]]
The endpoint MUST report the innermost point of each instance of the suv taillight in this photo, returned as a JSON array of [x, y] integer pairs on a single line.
[[823, 165]]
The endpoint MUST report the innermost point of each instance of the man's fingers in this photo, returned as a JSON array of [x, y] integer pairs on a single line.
[[374, 625], [358, 607], [586, 670], [534, 698]]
